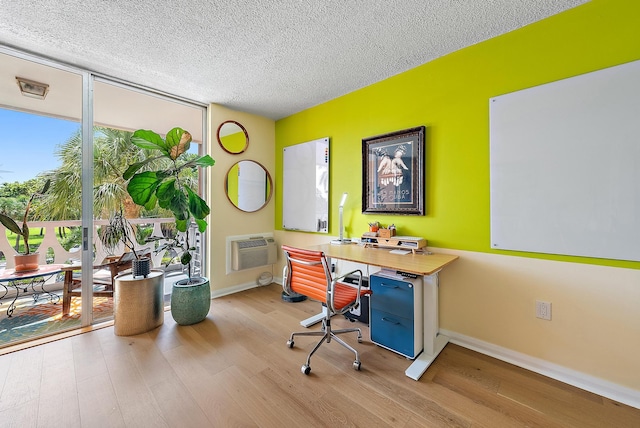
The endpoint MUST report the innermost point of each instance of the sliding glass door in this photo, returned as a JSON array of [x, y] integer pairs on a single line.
[[72, 130], [41, 114], [119, 110]]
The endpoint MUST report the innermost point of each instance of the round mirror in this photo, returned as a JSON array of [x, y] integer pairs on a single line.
[[248, 186], [233, 138]]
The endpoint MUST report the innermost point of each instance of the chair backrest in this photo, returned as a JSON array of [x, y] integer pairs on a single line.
[[307, 273]]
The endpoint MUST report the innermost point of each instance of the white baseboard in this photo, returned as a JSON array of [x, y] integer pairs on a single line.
[[621, 394], [240, 287], [235, 289]]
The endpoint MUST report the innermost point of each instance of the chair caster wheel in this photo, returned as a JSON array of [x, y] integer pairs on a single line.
[[290, 343], [356, 365], [359, 339], [305, 369]]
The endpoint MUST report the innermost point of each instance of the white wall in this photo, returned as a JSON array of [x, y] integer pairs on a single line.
[[225, 219]]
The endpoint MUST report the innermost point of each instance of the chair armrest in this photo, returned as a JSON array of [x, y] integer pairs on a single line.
[[358, 286], [285, 280], [71, 268], [104, 265]]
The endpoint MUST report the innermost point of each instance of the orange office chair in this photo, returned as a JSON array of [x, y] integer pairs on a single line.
[[308, 273]]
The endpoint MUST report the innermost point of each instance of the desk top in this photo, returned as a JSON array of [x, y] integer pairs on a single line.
[[421, 264], [43, 270]]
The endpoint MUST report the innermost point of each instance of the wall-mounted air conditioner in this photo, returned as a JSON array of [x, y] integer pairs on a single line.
[[252, 252]]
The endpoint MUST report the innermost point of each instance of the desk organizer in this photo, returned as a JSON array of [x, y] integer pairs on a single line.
[[399, 242]]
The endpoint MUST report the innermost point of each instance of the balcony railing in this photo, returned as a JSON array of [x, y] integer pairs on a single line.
[[60, 255]]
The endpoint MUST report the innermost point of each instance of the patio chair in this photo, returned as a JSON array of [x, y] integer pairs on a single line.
[[103, 278]]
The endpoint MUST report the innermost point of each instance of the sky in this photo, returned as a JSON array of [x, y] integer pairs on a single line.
[[28, 142]]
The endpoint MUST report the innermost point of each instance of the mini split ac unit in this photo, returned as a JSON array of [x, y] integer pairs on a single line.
[[253, 252]]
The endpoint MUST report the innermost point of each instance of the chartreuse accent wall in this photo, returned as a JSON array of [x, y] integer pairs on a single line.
[[450, 96], [487, 298]]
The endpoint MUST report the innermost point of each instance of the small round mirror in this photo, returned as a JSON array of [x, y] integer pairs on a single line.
[[232, 137], [248, 186]]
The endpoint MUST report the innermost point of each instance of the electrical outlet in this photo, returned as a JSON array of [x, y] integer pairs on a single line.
[[543, 310]]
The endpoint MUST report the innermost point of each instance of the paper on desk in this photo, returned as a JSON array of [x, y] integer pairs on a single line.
[[400, 251]]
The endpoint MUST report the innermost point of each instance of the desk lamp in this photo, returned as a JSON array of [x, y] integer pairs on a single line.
[[342, 240]]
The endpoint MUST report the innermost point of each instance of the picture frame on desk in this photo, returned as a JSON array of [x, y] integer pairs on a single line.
[[393, 173]]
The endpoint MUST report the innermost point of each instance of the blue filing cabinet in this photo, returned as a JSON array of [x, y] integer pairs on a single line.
[[395, 320]]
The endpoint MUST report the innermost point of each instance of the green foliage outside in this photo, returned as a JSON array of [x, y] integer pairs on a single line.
[[113, 153]]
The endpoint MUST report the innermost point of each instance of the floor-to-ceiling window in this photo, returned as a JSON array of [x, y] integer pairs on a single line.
[[74, 132], [41, 115], [119, 110]]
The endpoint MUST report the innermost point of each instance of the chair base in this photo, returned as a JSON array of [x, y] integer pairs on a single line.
[[327, 334]]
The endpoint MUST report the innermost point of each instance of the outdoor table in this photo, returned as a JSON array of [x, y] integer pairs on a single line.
[[23, 281]]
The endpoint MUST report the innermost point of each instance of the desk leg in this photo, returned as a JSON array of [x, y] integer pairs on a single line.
[[434, 343], [314, 319]]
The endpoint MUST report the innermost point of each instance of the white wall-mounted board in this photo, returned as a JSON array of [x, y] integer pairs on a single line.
[[305, 187], [565, 166]]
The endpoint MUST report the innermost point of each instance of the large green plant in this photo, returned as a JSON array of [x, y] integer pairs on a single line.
[[167, 187], [23, 231]]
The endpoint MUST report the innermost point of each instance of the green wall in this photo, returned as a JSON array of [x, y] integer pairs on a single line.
[[450, 96]]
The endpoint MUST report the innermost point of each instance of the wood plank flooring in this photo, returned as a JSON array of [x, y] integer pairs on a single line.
[[235, 370]]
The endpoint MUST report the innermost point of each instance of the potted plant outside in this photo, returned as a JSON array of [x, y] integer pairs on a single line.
[[119, 230], [167, 187], [27, 261]]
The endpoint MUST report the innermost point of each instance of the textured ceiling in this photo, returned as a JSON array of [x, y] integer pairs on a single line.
[[269, 57]]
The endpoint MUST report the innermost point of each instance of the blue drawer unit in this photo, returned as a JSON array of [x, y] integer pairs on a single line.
[[395, 320]]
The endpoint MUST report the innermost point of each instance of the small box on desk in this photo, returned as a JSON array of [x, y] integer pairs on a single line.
[[386, 233]]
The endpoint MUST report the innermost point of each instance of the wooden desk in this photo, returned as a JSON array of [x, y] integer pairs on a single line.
[[427, 265]]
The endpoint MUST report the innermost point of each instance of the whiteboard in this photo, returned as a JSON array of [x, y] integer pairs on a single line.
[[305, 200], [565, 166]]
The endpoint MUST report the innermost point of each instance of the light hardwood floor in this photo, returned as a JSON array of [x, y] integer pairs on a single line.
[[235, 370]]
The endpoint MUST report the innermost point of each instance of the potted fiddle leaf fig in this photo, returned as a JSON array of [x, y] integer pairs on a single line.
[[168, 187], [27, 261]]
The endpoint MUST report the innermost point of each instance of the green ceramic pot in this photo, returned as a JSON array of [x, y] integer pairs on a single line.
[[190, 300]]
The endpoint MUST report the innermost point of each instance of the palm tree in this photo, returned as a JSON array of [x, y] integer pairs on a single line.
[[113, 152]]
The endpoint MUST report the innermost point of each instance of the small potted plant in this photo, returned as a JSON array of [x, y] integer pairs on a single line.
[[27, 261], [119, 230], [168, 188]]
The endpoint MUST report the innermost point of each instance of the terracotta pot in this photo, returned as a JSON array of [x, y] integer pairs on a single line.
[[26, 262]]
